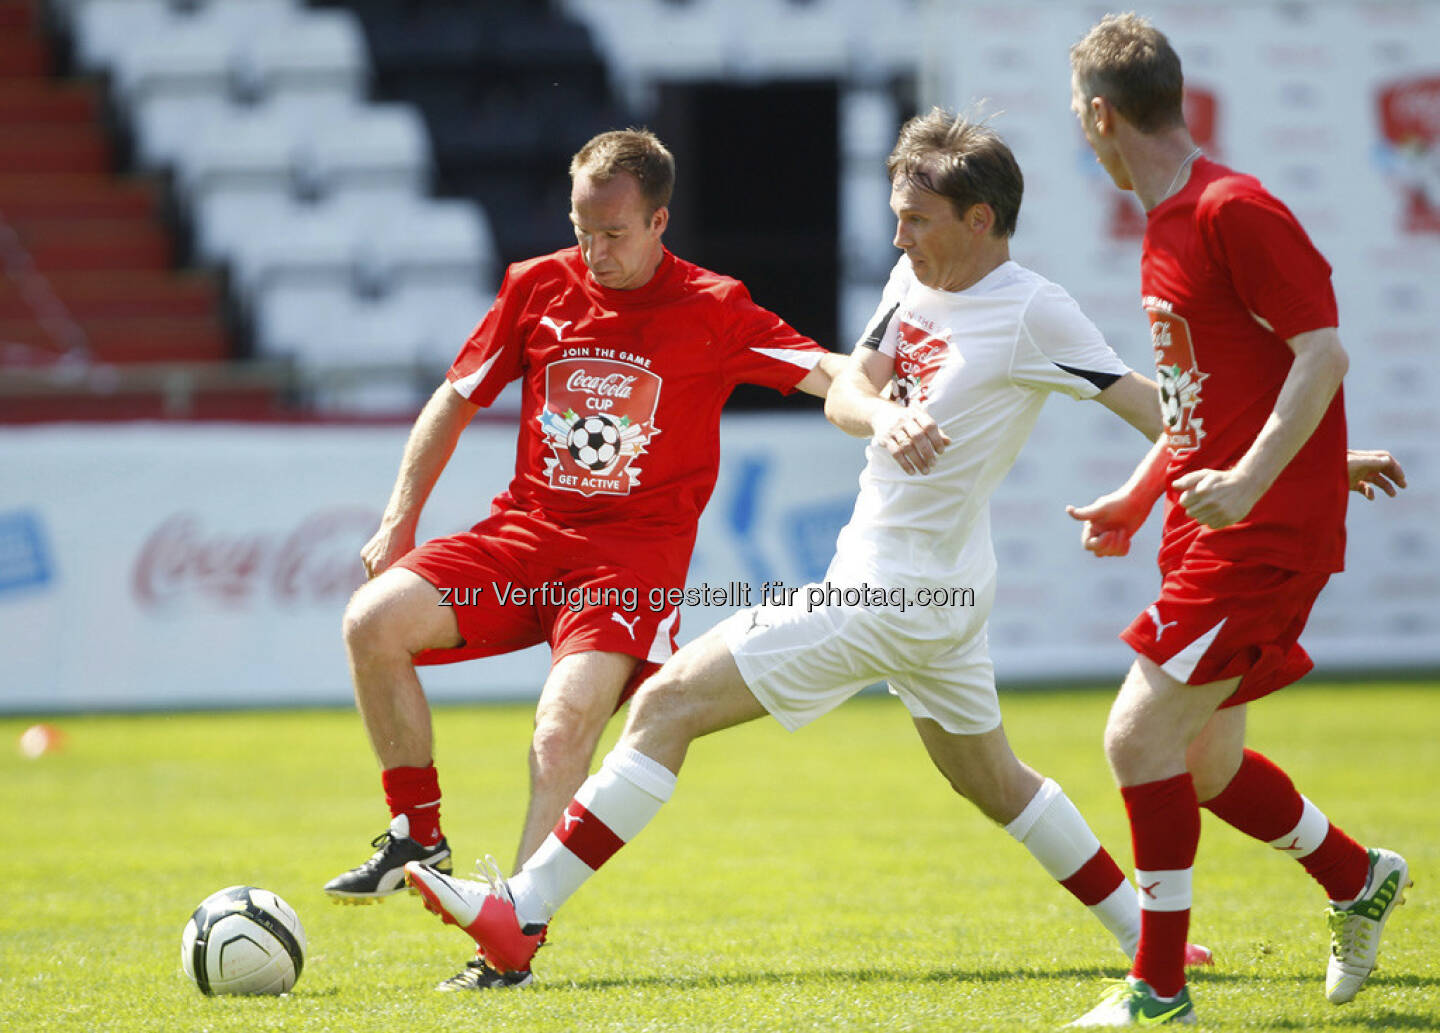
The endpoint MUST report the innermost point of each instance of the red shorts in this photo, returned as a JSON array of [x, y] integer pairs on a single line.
[[1218, 619], [511, 587]]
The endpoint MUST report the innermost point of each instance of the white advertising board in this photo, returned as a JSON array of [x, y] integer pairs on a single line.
[[146, 566]]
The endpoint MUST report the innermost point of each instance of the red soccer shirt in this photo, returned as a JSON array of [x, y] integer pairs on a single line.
[[620, 427], [1228, 275]]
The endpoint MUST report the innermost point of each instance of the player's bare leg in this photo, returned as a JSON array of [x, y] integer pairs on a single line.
[[1152, 723], [1037, 813], [387, 622], [579, 696], [1215, 754], [982, 768], [698, 691]]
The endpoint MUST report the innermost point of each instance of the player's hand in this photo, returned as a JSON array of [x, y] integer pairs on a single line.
[[386, 546], [1373, 469], [912, 437], [1215, 498], [1108, 524]]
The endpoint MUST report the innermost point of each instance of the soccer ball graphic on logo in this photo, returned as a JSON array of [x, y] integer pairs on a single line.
[[243, 940], [594, 442]]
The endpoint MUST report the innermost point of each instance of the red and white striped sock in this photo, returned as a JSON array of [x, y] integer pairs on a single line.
[[415, 793], [1262, 802], [607, 812], [1165, 835], [1057, 836]]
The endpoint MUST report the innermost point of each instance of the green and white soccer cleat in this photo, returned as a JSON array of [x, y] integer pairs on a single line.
[[1355, 929], [1131, 1002]]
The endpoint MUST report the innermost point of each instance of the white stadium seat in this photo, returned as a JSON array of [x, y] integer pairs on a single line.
[[436, 241], [322, 53], [224, 219], [256, 147], [104, 29], [296, 318], [444, 312], [314, 243], [384, 145], [165, 124]]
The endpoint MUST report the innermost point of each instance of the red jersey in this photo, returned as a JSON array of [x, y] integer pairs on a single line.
[[1228, 275], [620, 428]]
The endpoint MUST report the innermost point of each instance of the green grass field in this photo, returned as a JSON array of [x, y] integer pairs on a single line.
[[826, 880]]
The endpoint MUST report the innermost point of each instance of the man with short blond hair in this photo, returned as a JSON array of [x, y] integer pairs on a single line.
[[1253, 466], [626, 354]]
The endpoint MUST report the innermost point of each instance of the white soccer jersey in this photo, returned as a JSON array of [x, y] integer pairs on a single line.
[[981, 361]]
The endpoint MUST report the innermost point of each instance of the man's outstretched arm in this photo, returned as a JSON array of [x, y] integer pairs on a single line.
[[817, 382], [431, 443], [1135, 400]]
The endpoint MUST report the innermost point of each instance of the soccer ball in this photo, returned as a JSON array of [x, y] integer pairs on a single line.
[[594, 442], [243, 940]]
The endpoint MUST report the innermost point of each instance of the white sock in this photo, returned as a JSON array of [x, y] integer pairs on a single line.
[[1057, 836], [609, 810]]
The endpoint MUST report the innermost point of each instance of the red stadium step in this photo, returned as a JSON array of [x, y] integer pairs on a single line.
[[22, 55], [51, 149], [132, 339], [127, 293], [26, 197], [246, 405], [18, 16], [95, 243], [41, 101]]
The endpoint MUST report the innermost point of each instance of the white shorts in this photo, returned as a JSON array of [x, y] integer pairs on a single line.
[[802, 661]]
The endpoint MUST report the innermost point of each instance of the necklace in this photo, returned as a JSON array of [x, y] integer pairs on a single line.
[[1183, 166]]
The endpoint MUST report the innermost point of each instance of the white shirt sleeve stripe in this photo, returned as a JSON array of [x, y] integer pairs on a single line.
[[467, 385], [806, 359]]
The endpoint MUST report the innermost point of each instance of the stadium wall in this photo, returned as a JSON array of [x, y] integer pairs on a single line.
[[145, 566]]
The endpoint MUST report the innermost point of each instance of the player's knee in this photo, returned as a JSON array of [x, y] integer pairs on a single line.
[[1123, 748], [365, 627]]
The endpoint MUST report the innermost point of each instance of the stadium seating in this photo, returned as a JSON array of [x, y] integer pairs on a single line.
[[87, 259], [288, 178]]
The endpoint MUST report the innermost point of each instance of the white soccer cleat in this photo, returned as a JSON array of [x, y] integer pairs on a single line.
[[1355, 929], [1131, 1002]]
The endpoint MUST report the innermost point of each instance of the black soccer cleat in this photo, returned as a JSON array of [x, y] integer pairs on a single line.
[[384, 873], [477, 975]]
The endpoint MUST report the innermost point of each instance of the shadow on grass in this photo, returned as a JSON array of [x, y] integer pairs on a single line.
[[1300, 984], [704, 981]]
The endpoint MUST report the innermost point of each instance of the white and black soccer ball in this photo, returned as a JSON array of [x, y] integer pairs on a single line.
[[594, 442], [243, 940]]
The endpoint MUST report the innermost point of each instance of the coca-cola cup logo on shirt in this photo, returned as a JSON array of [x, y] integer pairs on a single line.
[[598, 419], [316, 560]]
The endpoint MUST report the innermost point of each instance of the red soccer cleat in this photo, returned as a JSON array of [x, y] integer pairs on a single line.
[[485, 910]]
